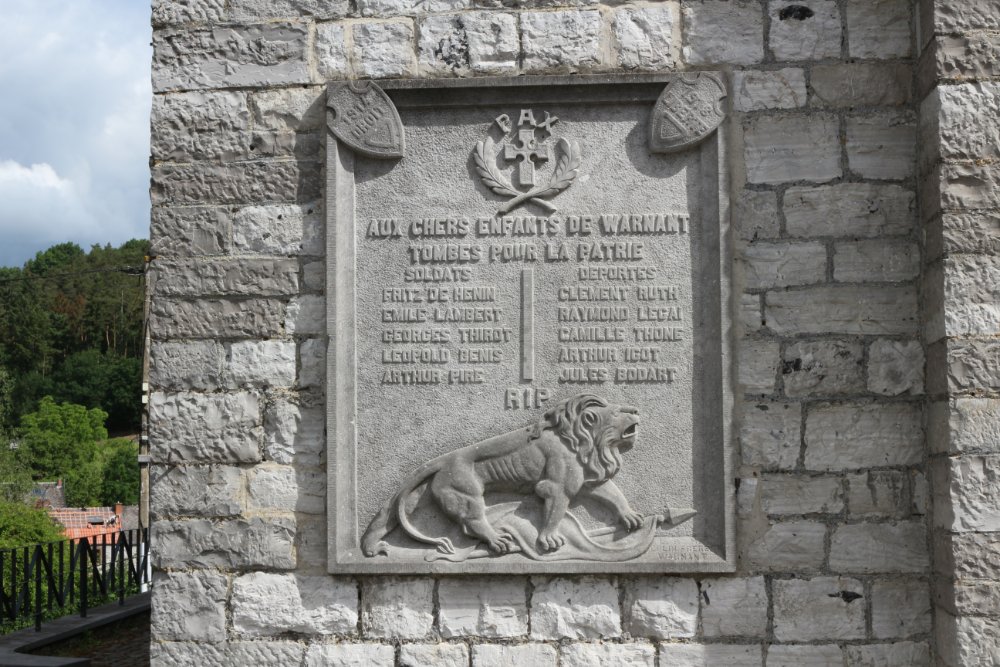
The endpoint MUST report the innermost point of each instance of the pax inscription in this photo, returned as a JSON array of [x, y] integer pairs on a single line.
[[528, 361]]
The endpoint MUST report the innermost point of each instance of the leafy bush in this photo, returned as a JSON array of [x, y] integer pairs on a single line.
[[21, 525]]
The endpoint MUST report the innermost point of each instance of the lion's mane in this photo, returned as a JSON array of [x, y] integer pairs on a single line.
[[578, 423]]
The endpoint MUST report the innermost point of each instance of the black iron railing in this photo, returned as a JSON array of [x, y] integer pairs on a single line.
[[60, 578]]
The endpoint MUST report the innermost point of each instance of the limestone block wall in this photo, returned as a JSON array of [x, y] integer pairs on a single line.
[[834, 280]]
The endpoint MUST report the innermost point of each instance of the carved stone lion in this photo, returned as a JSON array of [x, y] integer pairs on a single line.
[[572, 451]]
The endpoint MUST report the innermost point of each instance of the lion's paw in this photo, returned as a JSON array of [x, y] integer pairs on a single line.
[[501, 544], [632, 520], [550, 540]]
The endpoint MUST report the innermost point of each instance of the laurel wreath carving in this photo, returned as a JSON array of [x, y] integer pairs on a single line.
[[567, 169]]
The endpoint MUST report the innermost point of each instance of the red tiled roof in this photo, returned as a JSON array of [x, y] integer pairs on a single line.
[[87, 521]]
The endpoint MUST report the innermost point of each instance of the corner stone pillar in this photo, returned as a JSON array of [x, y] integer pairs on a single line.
[[960, 211]]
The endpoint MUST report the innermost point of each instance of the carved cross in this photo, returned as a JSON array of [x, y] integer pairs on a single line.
[[529, 152]]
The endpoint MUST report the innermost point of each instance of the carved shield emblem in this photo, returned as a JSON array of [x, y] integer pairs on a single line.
[[688, 110], [363, 117]]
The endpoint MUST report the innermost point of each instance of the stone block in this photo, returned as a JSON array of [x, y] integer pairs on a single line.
[[189, 606], [881, 147], [967, 493], [792, 546], [493, 42], [823, 368], [268, 604], [861, 84], [711, 655], [771, 435], [259, 182], [384, 50], [975, 598], [169, 12], [879, 28], [808, 30], [235, 56], [971, 15], [197, 491], [845, 437], [217, 318], [967, 125], [644, 36], [971, 365], [483, 607], [226, 277], [331, 51], [971, 297], [306, 315], [580, 608], [875, 261], [200, 125], [850, 210], [843, 310], [350, 655], [755, 215], [769, 265], [279, 229], [720, 32], [901, 608], [866, 548], [734, 607], [312, 371], [971, 186], [792, 494], [911, 654], [442, 45], [792, 655], [251, 11], [189, 231], [294, 433], [754, 90], [758, 367], [749, 317], [968, 555], [191, 654], [822, 608], [205, 428], [439, 655], [974, 426], [965, 57], [185, 365], [397, 607], [379, 8], [260, 363], [896, 367], [513, 655], [879, 493], [597, 655], [565, 41], [973, 233], [792, 148], [229, 544], [661, 607], [287, 488]]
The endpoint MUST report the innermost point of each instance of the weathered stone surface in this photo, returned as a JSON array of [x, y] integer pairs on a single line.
[[808, 30], [483, 607], [202, 491], [749, 314], [513, 655], [971, 15], [265, 603], [964, 57], [792, 546], [201, 428], [217, 318], [189, 606], [231, 654], [971, 297], [759, 366], [770, 435], [976, 598], [644, 36], [244, 543], [661, 607], [848, 436], [378, 8], [294, 433], [895, 367], [879, 493], [284, 488], [265, 54], [843, 309], [881, 147], [768, 265], [971, 186], [561, 41], [787, 494], [971, 365], [851, 210], [818, 609], [974, 426], [755, 215], [331, 51], [596, 655], [240, 183], [968, 555], [967, 126], [912, 654], [312, 372], [260, 363], [397, 607], [879, 28], [189, 231], [967, 491], [185, 365], [823, 368], [166, 12], [734, 607], [259, 10], [236, 277], [875, 261], [200, 126], [582, 608], [723, 32], [439, 655], [384, 50], [442, 45], [306, 315], [861, 84], [707, 655], [900, 608], [350, 655], [754, 90], [823, 655], [279, 229], [493, 42], [879, 547], [793, 148]]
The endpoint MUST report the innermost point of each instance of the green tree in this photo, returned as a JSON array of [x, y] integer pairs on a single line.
[[15, 478], [120, 476], [21, 525], [60, 438]]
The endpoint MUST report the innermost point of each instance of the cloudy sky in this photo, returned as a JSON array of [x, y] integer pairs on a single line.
[[74, 123]]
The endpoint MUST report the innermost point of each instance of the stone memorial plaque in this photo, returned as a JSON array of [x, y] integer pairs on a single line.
[[529, 326]]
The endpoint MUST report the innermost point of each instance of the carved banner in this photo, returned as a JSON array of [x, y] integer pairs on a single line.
[[528, 361]]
